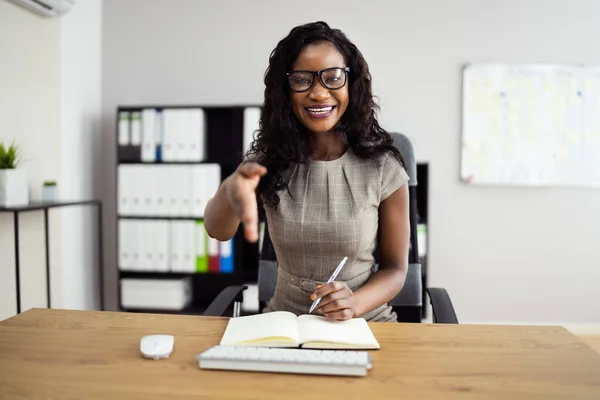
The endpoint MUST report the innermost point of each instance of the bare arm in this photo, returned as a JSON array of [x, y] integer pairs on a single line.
[[394, 244], [235, 203]]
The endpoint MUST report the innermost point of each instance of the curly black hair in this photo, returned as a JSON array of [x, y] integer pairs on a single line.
[[282, 141]]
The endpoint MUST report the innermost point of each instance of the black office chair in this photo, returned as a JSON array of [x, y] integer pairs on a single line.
[[407, 304]]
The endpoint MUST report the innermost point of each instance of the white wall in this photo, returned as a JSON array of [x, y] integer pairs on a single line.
[[81, 95], [505, 254], [29, 115], [49, 103]]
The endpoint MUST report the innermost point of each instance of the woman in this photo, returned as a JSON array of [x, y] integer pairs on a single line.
[[331, 183]]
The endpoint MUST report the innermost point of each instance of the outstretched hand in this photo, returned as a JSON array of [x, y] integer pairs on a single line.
[[337, 300], [241, 195]]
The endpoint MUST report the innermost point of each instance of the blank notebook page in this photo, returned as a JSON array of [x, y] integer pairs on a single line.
[[356, 331], [268, 325]]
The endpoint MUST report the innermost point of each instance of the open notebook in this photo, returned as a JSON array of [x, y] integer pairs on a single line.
[[284, 329]]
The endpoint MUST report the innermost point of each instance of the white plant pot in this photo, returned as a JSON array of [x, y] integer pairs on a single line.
[[49, 194], [13, 188]]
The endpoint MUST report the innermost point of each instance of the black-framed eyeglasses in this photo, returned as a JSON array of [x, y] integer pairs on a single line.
[[331, 78]]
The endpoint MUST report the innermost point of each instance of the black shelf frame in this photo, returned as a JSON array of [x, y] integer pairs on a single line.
[[160, 217], [158, 274], [164, 162], [422, 197], [45, 207]]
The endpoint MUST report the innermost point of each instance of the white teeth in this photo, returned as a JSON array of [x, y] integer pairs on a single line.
[[320, 110]]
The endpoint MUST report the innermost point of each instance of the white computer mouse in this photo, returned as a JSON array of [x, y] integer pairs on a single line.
[[157, 346]]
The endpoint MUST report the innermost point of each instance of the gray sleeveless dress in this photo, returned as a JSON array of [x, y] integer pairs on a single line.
[[331, 211]]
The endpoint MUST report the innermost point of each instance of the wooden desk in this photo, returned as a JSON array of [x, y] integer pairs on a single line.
[[95, 355]]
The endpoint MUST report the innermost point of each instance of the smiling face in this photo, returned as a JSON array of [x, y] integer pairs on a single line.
[[319, 109]]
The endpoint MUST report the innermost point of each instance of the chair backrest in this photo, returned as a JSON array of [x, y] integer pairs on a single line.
[[408, 303]]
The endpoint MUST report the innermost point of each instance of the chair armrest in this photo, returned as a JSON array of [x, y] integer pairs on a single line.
[[224, 300], [441, 305]]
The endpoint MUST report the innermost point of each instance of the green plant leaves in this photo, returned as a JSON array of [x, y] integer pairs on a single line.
[[9, 156]]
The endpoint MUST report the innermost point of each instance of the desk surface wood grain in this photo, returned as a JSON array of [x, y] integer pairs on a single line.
[[60, 354]]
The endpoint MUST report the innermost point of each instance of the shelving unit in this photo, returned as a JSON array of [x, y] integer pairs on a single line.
[[224, 132]]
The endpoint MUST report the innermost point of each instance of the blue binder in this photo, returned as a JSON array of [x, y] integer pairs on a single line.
[[226, 257]]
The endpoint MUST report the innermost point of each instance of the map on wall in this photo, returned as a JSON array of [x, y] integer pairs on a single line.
[[531, 125]]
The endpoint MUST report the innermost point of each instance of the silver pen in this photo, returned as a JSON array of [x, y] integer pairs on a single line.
[[331, 279]]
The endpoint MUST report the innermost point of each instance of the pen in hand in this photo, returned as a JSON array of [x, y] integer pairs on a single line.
[[331, 279]]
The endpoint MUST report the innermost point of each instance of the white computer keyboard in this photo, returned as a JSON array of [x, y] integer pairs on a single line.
[[298, 361]]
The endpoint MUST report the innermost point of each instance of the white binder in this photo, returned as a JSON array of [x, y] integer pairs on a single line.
[[132, 244], [163, 246], [149, 135], [125, 250], [151, 189], [123, 127], [136, 128], [167, 294], [175, 259], [159, 241], [195, 136], [124, 194], [136, 186], [146, 183], [184, 137], [181, 134], [137, 244], [188, 247], [170, 128], [198, 196], [172, 186], [183, 246], [185, 190], [162, 186], [146, 245], [205, 181]]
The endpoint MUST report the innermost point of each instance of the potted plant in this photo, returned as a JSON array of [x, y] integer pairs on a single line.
[[49, 191], [13, 180]]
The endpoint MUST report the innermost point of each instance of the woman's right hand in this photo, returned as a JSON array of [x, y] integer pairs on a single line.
[[240, 192]]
